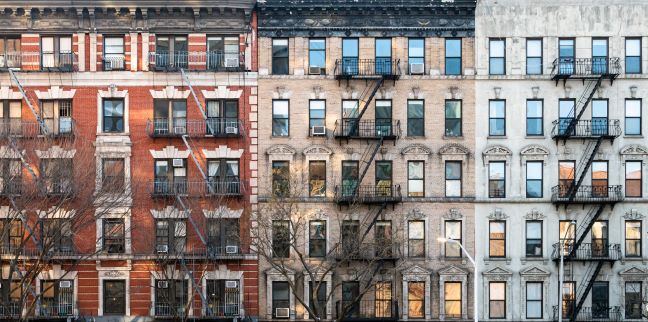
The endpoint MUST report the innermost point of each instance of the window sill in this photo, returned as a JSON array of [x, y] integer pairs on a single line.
[[633, 136], [497, 137], [113, 133], [454, 137], [541, 137], [487, 260], [524, 260]]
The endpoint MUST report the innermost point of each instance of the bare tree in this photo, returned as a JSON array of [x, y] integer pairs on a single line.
[[281, 239]]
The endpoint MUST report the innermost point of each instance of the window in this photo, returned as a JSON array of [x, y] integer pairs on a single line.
[[350, 124], [170, 177], [350, 56], [496, 179], [453, 232], [452, 298], [114, 236], [171, 297], [350, 237], [170, 235], [599, 56], [535, 123], [57, 115], [569, 298], [633, 55], [497, 118], [533, 238], [349, 177], [57, 176], [534, 56], [222, 52], [112, 175], [113, 115], [317, 238], [567, 234], [169, 117], [600, 117], [453, 176], [534, 179], [383, 300], [57, 297], [497, 300], [10, 177], [566, 109], [317, 297], [633, 238], [12, 234], [10, 52], [383, 239], [383, 56], [316, 55], [222, 117], [599, 235], [497, 238], [221, 299], [350, 293], [383, 118], [171, 52], [566, 176], [416, 233], [534, 300], [633, 180], [497, 58], [415, 178], [281, 239], [114, 297], [280, 56], [56, 52], [10, 117], [280, 118], [453, 56], [633, 300], [280, 178], [316, 114], [11, 292], [600, 179], [600, 300], [633, 116], [453, 118], [566, 56], [113, 53], [223, 177], [416, 55], [416, 300], [223, 233], [317, 179], [384, 178], [415, 118]]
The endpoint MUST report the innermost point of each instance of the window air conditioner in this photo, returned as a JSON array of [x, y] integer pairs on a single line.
[[231, 284], [162, 248], [65, 284], [163, 284], [178, 163], [231, 62], [417, 68], [318, 130], [315, 70], [231, 130], [282, 312], [231, 249]]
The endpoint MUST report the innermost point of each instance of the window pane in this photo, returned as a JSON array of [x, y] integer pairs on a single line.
[[633, 47], [453, 170], [350, 47], [599, 47], [416, 229], [497, 109], [415, 48], [633, 169], [383, 47], [534, 230], [496, 48], [415, 169], [534, 108], [534, 48], [453, 47], [534, 170], [633, 108], [496, 170]]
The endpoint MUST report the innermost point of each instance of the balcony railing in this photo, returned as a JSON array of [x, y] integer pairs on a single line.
[[114, 62], [368, 252], [586, 129], [62, 127], [588, 252], [197, 61], [10, 186], [368, 194], [35, 61], [9, 310], [215, 127], [367, 68], [354, 128], [223, 309], [587, 194], [367, 310], [586, 67], [169, 310], [56, 308], [32, 251], [182, 187], [590, 314]]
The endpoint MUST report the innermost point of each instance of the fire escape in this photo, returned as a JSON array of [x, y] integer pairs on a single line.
[[352, 191], [591, 134]]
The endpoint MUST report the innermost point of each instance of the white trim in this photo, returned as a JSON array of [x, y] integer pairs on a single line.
[[169, 92], [328, 278], [223, 152], [222, 92], [273, 276], [223, 274], [170, 152], [175, 275], [9, 153], [170, 212], [56, 274], [56, 213], [113, 213], [223, 212], [112, 92], [416, 274], [114, 275], [55, 92], [56, 152], [6, 93]]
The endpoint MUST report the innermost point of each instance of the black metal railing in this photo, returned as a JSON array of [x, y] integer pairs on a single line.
[[348, 193], [356, 128], [177, 127], [223, 309], [57, 61], [10, 60], [367, 310], [587, 194], [57, 187], [588, 251], [589, 313], [62, 127], [379, 67], [586, 128], [169, 310], [368, 251], [10, 310], [54, 307], [598, 66], [225, 187], [114, 62], [211, 60], [183, 187], [11, 186]]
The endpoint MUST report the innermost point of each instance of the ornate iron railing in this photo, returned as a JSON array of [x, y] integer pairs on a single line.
[[588, 251], [189, 60], [586, 128], [597, 66], [177, 127], [368, 193], [367, 310], [379, 67], [589, 313], [357, 128], [587, 194]]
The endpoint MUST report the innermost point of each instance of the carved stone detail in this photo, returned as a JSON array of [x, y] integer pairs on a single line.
[[416, 149], [170, 152], [56, 152], [318, 150], [415, 214], [170, 92], [55, 93], [453, 214], [223, 212], [169, 212], [281, 149], [497, 214], [223, 152], [454, 148], [633, 214], [222, 92], [534, 214]]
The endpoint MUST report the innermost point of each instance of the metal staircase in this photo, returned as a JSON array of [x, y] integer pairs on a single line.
[[572, 191]]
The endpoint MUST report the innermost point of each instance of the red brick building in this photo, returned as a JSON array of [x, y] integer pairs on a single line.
[[128, 155]]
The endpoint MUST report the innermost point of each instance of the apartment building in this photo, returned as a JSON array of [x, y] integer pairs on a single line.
[[561, 156], [127, 147], [366, 158]]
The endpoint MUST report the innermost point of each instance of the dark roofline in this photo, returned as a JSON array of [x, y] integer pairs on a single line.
[[245, 4], [367, 3]]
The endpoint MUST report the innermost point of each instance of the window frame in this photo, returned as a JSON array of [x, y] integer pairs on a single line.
[[419, 240], [541, 300], [116, 55], [460, 180], [492, 58], [629, 309], [410, 300], [541, 57], [541, 180], [452, 58], [626, 117], [173, 240], [490, 118], [460, 118], [607, 55], [276, 242], [317, 50], [120, 241], [491, 239], [278, 179], [313, 240], [274, 301], [409, 179], [113, 118], [493, 194], [410, 56], [626, 239], [633, 180], [459, 240], [419, 119], [275, 59], [310, 179], [625, 43], [287, 118], [491, 300], [311, 119], [541, 118], [527, 239], [121, 182]]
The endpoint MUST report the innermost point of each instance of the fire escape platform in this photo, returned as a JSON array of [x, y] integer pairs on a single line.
[[586, 68], [587, 195]]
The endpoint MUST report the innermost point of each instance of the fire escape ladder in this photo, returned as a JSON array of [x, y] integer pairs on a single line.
[[41, 123], [372, 93], [583, 101], [586, 286], [366, 160], [196, 287], [583, 166], [185, 78], [585, 227]]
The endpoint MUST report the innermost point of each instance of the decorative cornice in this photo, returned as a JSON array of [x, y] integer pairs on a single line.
[[416, 214], [169, 92], [416, 149], [223, 212], [318, 150], [453, 214], [454, 148], [170, 152], [535, 150], [222, 92], [497, 214], [281, 149], [56, 152], [634, 149], [633, 214], [534, 214], [55, 93], [223, 152], [453, 270], [170, 212]]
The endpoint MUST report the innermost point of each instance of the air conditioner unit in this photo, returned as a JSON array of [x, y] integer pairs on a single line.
[[231, 249], [318, 130], [231, 62], [282, 312], [65, 284], [417, 68], [179, 129], [315, 70], [231, 130], [163, 284], [231, 284], [162, 248], [178, 163]]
